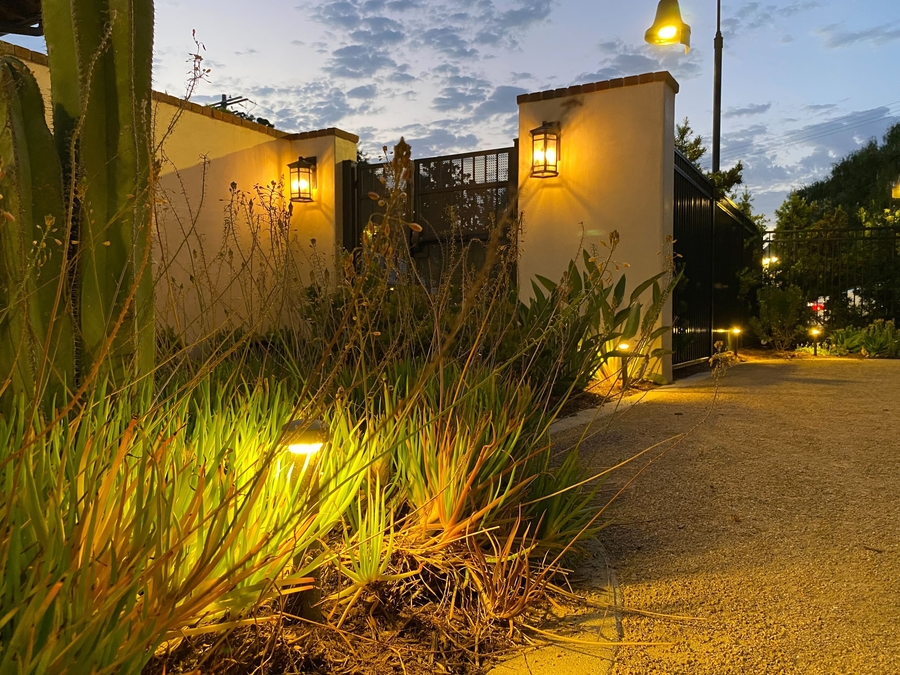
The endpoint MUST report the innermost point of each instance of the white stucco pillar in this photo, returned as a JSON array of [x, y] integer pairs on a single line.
[[616, 172]]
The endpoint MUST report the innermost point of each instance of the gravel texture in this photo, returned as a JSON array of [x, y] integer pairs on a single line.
[[775, 523]]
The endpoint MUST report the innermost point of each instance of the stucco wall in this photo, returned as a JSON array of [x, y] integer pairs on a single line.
[[616, 172], [214, 257]]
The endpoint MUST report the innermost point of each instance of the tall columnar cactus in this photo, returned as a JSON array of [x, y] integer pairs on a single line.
[[100, 54], [36, 334]]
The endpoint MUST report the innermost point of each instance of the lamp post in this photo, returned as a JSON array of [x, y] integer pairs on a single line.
[[669, 29]]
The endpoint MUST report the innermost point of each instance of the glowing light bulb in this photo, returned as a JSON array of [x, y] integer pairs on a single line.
[[667, 32]]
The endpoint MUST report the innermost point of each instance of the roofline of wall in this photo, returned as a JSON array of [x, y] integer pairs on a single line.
[[646, 78], [23, 53], [214, 113], [330, 131]]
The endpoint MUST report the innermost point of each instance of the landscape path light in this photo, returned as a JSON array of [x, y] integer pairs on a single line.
[[816, 333], [736, 338], [303, 441], [302, 179], [545, 150], [625, 349], [670, 29]]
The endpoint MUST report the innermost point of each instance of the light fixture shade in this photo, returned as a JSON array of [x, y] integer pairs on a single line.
[[669, 28], [303, 179], [895, 190], [304, 437], [545, 150]]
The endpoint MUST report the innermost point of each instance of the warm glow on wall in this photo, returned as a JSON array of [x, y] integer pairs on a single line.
[[303, 179], [545, 149]]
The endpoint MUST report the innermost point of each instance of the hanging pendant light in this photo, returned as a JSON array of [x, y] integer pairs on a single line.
[[669, 28]]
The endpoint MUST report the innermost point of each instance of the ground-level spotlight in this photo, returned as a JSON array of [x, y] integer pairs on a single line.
[[625, 350], [303, 439], [735, 339], [816, 332]]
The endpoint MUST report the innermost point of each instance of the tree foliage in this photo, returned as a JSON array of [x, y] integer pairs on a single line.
[[691, 146], [864, 179]]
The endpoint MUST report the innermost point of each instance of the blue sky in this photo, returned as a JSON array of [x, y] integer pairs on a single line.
[[805, 81]]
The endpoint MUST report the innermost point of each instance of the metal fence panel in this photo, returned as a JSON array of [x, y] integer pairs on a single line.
[[854, 269], [692, 301]]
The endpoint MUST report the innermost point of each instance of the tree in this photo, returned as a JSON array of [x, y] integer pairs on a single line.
[[863, 179], [691, 146]]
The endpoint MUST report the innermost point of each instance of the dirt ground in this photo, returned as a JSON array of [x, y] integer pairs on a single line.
[[774, 525]]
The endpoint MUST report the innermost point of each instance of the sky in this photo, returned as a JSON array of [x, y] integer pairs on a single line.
[[804, 81]]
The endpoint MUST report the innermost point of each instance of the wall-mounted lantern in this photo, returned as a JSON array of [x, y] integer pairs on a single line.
[[303, 179], [669, 28], [545, 145], [895, 189]]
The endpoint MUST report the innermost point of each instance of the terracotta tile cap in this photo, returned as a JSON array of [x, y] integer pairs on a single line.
[[644, 78]]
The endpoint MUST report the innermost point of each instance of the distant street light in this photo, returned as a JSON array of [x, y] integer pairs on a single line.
[[670, 29]]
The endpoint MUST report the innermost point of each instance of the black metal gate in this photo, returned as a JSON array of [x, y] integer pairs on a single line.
[[711, 251], [692, 301], [456, 199], [855, 270]]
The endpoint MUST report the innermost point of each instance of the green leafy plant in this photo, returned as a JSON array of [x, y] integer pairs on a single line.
[[880, 339], [782, 315]]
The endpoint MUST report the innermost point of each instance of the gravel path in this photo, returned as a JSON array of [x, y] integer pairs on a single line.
[[776, 522]]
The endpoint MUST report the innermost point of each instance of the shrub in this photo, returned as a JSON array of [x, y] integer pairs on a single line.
[[880, 339], [782, 315]]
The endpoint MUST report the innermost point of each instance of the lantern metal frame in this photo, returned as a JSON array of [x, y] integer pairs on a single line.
[[302, 171], [545, 150]]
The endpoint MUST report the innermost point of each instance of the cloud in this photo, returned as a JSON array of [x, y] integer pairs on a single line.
[[776, 163], [448, 42], [836, 36], [365, 91], [505, 27], [314, 105], [748, 17], [501, 101], [439, 137], [620, 59], [463, 95], [748, 110], [357, 61], [342, 14]]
